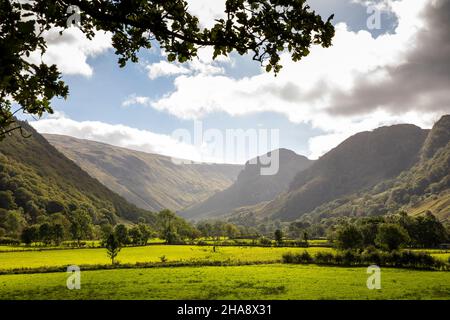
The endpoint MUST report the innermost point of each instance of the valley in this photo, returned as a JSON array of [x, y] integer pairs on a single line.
[[307, 232]]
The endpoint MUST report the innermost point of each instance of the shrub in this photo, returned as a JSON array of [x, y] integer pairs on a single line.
[[350, 257], [304, 257], [324, 258], [371, 256], [265, 241], [288, 257], [301, 243], [9, 241]]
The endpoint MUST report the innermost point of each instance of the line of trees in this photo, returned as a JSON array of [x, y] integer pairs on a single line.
[[391, 232], [385, 232], [80, 226]]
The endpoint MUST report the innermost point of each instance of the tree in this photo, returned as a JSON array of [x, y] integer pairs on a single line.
[[81, 225], [428, 231], [278, 236], [391, 236], [305, 237], [54, 206], [231, 231], [22, 196], [57, 233], [112, 247], [195, 234], [369, 229], [135, 235], [205, 228], [30, 234], [7, 200], [261, 28], [121, 233], [106, 229], [172, 237], [12, 221], [61, 219], [218, 229], [146, 233], [33, 210], [348, 237], [170, 225], [45, 233]]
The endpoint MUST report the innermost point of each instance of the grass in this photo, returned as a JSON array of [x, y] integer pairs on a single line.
[[441, 254], [263, 281], [274, 281], [52, 258], [439, 205]]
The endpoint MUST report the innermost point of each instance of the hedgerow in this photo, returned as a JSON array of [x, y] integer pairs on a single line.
[[397, 259]]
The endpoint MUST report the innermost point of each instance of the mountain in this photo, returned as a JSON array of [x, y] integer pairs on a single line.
[[150, 181], [357, 164], [251, 187], [423, 187], [438, 138], [37, 181]]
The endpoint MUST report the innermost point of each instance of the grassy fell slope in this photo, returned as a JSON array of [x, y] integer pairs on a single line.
[[32, 169], [150, 181], [425, 186], [358, 163]]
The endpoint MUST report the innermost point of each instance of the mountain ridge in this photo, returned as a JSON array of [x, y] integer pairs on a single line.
[[251, 187], [150, 181]]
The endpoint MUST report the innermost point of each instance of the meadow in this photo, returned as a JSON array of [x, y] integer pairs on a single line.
[[35, 258], [153, 253], [275, 281], [269, 279]]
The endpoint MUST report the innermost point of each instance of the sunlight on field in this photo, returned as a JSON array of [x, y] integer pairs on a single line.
[[440, 254], [33, 259], [244, 282]]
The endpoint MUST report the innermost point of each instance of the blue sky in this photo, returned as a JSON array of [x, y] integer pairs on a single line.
[[98, 99]]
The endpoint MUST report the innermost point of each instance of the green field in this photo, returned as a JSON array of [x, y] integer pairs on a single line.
[[263, 281], [242, 282], [443, 255], [49, 258]]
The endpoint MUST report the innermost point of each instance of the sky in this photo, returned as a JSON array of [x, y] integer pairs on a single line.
[[389, 64]]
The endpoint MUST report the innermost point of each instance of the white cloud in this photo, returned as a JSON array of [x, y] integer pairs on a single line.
[[164, 68], [71, 50], [136, 100], [321, 144], [207, 11], [307, 91], [202, 64]]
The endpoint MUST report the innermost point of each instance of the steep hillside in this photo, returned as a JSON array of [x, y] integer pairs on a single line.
[[357, 164], [251, 187], [150, 181], [36, 181], [423, 187], [438, 138]]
